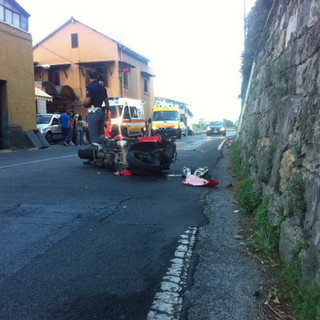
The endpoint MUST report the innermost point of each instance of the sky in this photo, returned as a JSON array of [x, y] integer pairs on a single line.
[[194, 47]]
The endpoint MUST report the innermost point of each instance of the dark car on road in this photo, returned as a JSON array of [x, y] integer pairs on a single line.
[[216, 128]]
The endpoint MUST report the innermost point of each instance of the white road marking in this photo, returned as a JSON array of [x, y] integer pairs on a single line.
[[35, 161], [221, 144], [167, 304]]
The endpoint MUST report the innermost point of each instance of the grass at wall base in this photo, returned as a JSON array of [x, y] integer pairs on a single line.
[[291, 296]]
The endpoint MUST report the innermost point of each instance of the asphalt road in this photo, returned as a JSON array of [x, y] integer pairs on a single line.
[[79, 242]]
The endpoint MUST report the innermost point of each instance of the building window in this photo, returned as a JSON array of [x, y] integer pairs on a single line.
[[102, 75], [8, 15], [16, 19], [145, 85], [24, 23], [74, 40], [54, 77], [125, 80], [1, 13], [12, 17]]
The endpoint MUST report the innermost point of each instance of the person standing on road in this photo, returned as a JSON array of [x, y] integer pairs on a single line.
[[80, 130], [65, 122], [73, 134], [95, 96]]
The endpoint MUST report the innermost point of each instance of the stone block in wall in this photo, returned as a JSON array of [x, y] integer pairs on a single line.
[[311, 255], [312, 218], [292, 26], [276, 206], [314, 13], [290, 237], [312, 73], [286, 169], [310, 264], [281, 44], [300, 78]]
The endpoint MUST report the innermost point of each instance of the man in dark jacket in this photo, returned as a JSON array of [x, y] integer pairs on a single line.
[[95, 96]]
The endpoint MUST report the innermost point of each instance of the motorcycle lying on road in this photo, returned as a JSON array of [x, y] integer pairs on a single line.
[[140, 155]]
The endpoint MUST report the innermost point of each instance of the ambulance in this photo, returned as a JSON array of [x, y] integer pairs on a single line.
[[166, 121], [125, 117]]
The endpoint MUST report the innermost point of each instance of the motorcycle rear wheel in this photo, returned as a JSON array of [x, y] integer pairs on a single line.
[[86, 154], [143, 161]]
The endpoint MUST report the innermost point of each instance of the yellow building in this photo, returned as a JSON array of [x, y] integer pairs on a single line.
[[62, 59], [17, 95]]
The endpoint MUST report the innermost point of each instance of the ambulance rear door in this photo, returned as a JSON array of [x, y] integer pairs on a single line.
[[137, 120]]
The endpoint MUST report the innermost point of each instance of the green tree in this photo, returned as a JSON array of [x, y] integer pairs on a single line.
[[228, 123], [201, 125]]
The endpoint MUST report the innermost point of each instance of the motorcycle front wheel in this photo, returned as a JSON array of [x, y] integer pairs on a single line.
[[143, 161]]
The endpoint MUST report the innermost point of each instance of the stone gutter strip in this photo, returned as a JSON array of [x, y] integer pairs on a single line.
[[167, 304]]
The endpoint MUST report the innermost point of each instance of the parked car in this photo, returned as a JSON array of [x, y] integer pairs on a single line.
[[216, 127], [48, 124], [183, 129]]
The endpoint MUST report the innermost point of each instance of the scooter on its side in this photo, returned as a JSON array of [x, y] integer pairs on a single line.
[[140, 155]]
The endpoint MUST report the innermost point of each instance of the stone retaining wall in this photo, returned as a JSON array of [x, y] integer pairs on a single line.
[[280, 127]]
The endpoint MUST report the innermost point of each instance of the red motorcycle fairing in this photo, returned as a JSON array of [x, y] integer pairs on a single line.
[[150, 139]]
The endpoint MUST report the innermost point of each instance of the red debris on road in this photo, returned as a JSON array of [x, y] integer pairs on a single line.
[[195, 181]]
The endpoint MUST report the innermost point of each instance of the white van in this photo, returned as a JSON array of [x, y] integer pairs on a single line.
[[48, 124]]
